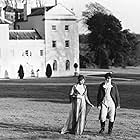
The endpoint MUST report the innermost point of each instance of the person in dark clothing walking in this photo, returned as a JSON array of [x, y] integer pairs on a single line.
[[108, 101]]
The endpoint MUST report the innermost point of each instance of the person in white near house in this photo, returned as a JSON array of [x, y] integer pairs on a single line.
[[107, 101], [80, 108]]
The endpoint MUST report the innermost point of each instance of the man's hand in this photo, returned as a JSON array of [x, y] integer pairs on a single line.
[[118, 107]]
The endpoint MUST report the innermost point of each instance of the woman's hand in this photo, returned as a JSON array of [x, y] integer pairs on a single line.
[[92, 105], [99, 107]]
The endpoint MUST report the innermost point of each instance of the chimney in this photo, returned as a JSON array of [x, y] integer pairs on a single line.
[[55, 2], [27, 10], [2, 14]]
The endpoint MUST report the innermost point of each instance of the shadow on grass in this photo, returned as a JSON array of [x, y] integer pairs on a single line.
[[34, 132], [45, 132], [61, 101], [28, 128]]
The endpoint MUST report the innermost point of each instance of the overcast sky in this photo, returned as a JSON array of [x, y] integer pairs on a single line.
[[127, 11]]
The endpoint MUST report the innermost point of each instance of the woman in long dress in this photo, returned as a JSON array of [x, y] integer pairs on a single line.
[[80, 107]]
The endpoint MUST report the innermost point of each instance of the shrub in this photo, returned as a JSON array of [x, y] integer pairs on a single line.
[[21, 72], [48, 71]]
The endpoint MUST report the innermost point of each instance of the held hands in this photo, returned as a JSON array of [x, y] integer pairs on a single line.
[[118, 107], [92, 105], [99, 107]]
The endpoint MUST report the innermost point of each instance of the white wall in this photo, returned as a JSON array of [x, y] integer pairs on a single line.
[[61, 53], [4, 32], [13, 54], [61, 16]]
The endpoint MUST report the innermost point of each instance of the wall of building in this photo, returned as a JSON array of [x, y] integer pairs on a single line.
[[60, 53], [60, 16], [4, 32], [14, 52]]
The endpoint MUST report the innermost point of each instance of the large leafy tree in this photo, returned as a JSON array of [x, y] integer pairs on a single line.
[[106, 39], [105, 36], [86, 56]]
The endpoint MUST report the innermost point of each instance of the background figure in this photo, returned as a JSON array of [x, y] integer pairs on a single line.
[[107, 101], [37, 73], [21, 72], [80, 108]]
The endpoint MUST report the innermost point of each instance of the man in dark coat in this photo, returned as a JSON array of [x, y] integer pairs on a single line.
[[107, 101]]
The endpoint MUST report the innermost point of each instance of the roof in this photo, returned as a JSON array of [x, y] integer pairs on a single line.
[[11, 9], [39, 10], [23, 34], [4, 21], [8, 9]]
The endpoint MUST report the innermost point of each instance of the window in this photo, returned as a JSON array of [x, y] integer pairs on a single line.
[[12, 17], [41, 52], [55, 65], [67, 65], [66, 27], [26, 52], [30, 53], [54, 27], [18, 15], [67, 43], [53, 43]]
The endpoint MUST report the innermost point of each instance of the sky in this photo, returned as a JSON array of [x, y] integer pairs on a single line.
[[127, 11]]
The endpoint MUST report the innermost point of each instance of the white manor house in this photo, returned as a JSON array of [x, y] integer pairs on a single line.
[[41, 36]]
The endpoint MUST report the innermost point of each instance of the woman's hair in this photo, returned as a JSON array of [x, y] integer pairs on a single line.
[[108, 75], [80, 77]]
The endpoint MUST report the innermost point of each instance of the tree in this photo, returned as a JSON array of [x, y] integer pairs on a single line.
[[94, 8], [130, 45], [48, 71], [106, 31], [21, 72], [86, 56], [102, 59]]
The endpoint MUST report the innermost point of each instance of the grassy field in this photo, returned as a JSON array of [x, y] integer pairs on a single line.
[[37, 109]]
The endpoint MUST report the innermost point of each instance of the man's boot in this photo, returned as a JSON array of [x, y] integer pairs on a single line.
[[110, 127], [102, 127]]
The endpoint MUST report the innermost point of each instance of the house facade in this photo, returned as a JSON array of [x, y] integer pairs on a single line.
[[47, 35]]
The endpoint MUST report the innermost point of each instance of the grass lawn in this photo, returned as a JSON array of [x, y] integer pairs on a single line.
[[36, 110]]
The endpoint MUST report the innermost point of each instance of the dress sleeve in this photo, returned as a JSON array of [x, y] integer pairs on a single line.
[[72, 93], [85, 90], [117, 96], [86, 96], [72, 90], [99, 95]]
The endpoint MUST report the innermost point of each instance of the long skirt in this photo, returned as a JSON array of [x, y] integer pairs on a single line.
[[77, 117]]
